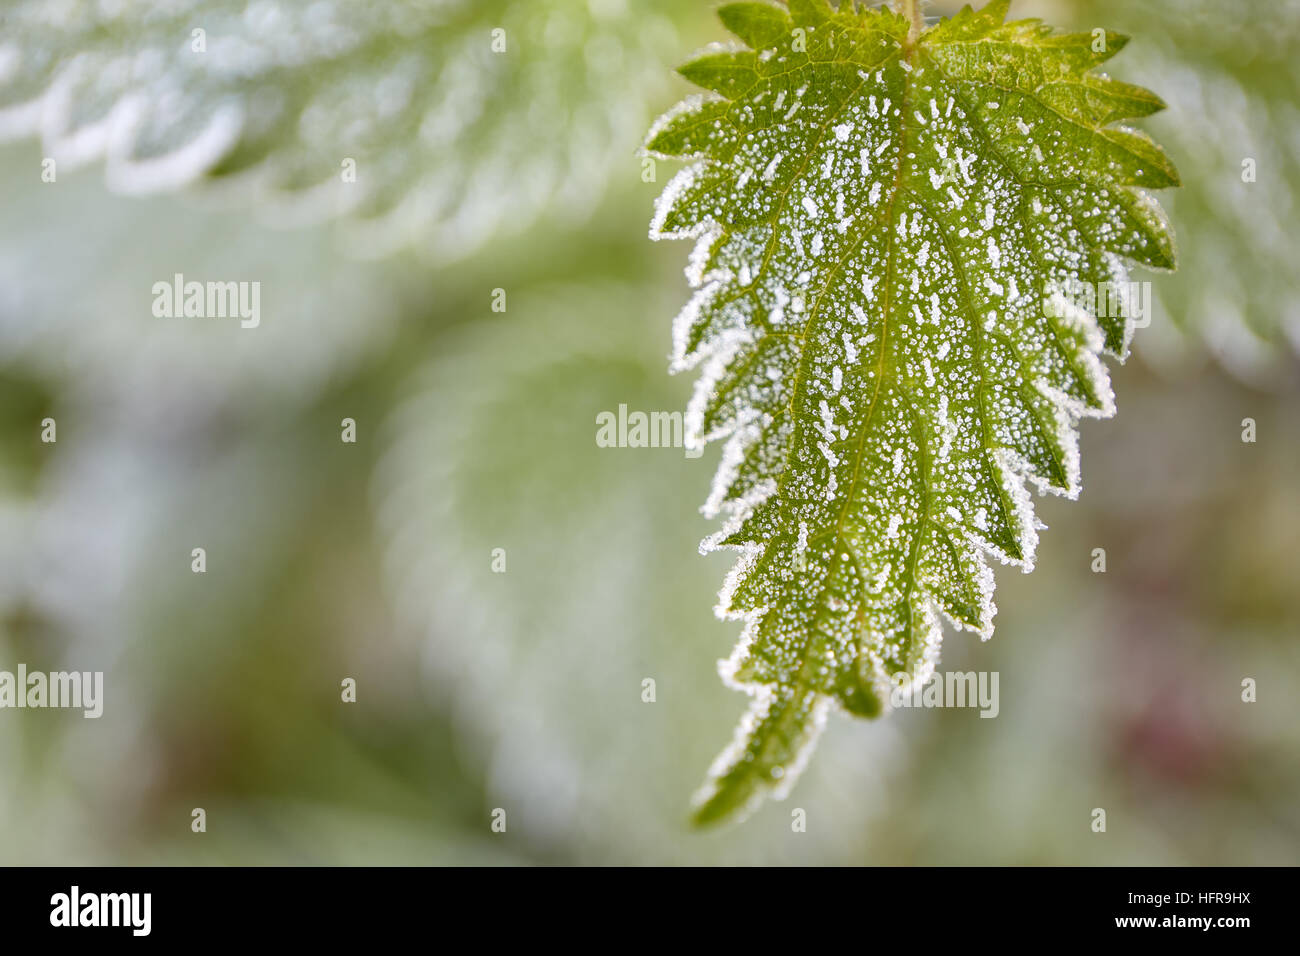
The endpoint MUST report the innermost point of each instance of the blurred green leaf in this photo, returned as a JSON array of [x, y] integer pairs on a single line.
[[436, 122], [1233, 124]]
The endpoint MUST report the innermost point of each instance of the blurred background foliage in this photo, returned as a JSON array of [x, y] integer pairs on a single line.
[[523, 690]]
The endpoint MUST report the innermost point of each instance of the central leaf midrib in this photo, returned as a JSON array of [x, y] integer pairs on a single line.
[[891, 222], [887, 289]]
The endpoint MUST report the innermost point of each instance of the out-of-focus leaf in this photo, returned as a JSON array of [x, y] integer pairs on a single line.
[[464, 119], [1233, 88]]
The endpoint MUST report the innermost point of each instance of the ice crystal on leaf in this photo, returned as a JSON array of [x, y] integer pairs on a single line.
[[885, 231]]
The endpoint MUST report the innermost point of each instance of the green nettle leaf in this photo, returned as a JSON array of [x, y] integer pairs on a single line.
[[437, 122], [892, 228], [1234, 125]]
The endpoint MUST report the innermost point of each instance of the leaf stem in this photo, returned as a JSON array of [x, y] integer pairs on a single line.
[[911, 9]]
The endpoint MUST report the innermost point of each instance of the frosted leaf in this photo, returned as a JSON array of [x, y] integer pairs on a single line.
[[880, 437], [464, 119]]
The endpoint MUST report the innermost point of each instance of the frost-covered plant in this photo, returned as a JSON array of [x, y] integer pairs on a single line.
[[438, 123], [889, 221]]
